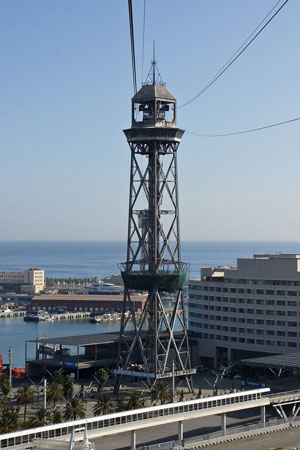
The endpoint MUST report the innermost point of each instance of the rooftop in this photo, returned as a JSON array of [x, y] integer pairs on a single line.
[[291, 360], [82, 340], [85, 298], [150, 92]]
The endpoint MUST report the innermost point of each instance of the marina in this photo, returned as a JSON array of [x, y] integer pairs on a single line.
[[12, 313], [15, 331]]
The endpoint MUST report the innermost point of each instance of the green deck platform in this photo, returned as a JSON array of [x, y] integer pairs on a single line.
[[147, 281]]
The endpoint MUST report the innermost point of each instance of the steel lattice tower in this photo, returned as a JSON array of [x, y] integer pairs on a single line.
[[153, 249]]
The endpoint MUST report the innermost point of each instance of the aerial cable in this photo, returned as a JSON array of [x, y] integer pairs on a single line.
[[245, 42], [238, 53], [132, 45], [245, 131], [144, 21]]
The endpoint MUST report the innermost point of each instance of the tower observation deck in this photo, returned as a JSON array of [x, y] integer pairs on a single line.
[[160, 347]]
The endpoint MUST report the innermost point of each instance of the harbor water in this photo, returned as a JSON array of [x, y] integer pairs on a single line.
[[91, 259]]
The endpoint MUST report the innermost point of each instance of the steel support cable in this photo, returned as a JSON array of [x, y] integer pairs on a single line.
[[237, 54], [132, 45], [143, 51], [244, 131]]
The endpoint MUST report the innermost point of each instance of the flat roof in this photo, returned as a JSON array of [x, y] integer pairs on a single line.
[[82, 340], [89, 339], [86, 298], [276, 361]]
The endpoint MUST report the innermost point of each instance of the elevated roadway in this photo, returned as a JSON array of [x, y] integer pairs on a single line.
[[146, 417]]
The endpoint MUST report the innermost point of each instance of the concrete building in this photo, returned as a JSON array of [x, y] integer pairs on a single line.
[[246, 311], [30, 281]]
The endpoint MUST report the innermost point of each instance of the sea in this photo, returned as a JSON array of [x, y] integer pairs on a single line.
[[83, 259]]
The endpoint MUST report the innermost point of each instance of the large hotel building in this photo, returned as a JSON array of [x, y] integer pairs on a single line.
[[246, 311]]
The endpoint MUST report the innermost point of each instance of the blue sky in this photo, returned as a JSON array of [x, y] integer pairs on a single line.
[[65, 90]]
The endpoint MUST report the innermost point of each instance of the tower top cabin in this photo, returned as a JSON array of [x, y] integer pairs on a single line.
[[153, 105]]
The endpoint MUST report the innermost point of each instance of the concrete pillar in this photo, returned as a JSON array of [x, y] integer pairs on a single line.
[[180, 431], [133, 440], [263, 415], [223, 424]]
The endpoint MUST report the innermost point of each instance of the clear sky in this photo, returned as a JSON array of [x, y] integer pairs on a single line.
[[65, 90]]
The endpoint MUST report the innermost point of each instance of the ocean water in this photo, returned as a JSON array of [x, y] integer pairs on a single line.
[[89, 259], [63, 259]]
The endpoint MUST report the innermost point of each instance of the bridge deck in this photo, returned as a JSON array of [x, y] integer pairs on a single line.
[[284, 397], [145, 417]]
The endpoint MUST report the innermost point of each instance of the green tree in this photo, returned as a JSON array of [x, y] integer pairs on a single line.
[[103, 406], [75, 408], [163, 392], [8, 419], [25, 396], [57, 417], [5, 389], [57, 377], [135, 401], [102, 376], [55, 392], [39, 419], [49, 282], [121, 404], [68, 387]]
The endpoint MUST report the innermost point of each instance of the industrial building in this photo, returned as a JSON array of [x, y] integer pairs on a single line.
[[72, 354], [31, 281], [89, 303], [246, 311]]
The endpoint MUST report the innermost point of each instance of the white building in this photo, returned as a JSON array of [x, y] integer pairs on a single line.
[[30, 281], [246, 311]]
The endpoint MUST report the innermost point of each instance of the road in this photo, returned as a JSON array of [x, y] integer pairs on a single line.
[[168, 432], [280, 440]]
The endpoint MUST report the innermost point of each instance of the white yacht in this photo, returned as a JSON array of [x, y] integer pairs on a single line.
[[102, 288]]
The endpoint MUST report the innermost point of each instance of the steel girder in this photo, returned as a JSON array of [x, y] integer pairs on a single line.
[[153, 248]]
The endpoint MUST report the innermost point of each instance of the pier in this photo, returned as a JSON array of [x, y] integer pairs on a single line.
[[8, 314]]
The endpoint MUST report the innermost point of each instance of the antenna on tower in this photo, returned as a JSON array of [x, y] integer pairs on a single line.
[[153, 65], [154, 78]]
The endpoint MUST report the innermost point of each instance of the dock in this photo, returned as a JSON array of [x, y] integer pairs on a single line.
[[8, 314]]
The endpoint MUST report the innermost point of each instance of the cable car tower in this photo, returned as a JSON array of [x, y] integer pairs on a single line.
[[159, 345]]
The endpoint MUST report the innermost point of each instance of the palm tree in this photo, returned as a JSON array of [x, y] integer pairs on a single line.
[[163, 392], [57, 377], [25, 396], [68, 387], [135, 401], [103, 406], [5, 389], [39, 419], [102, 376], [75, 408], [122, 406], [9, 419], [55, 392], [57, 417]]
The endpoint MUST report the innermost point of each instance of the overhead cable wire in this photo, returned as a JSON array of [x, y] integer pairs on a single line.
[[132, 45], [238, 53], [244, 131], [143, 51]]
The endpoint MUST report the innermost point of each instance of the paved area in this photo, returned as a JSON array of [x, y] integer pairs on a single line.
[[283, 440], [192, 428]]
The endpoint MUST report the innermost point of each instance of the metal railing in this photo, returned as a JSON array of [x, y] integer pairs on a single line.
[[112, 423], [289, 395]]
